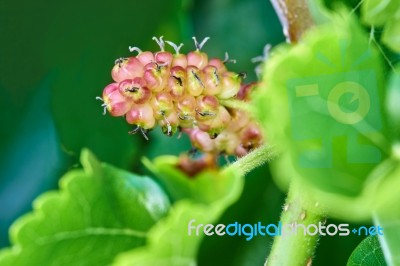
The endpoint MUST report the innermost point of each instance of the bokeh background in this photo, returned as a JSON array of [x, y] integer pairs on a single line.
[[56, 57]]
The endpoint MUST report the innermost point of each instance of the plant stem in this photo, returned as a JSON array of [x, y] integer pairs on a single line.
[[254, 159], [297, 248], [295, 17]]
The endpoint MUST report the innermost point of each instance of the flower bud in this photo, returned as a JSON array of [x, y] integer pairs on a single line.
[[162, 105], [211, 80], [230, 85], [217, 124], [145, 57], [141, 115], [195, 83], [179, 60], [163, 58], [186, 108], [207, 107], [114, 101], [135, 89], [197, 59], [156, 76], [126, 68], [201, 140], [245, 91], [240, 119], [227, 142], [251, 136], [219, 64], [177, 82]]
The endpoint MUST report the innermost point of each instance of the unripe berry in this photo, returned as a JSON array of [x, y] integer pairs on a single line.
[[127, 68], [201, 140], [227, 142], [230, 85], [163, 58], [186, 108], [156, 76], [195, 85], [240, 119], [162, 105], [197, 59], [245, 91], [211, 80], [145, 57], [177, 82], [179, 60], [251, 136], [141, 115], [219, 64], [115, 102], [207, 107], [217, 124], [135, 89]]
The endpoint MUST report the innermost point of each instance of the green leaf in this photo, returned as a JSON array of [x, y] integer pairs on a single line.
[[377, 12], [391, 35], [99, 212], [387, 211], [386, 14], [205, 187], [392, 102], [367, 253], [322, 107], [169, 242]]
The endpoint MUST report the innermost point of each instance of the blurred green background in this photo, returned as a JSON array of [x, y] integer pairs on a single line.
[[56, 57]]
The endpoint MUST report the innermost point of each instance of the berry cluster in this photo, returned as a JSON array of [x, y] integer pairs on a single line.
[[183, 93]]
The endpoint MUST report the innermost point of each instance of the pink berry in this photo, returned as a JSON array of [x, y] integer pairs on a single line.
[[177, 82], [156, 77], [186, 107], [219, 64], [195, 85], [115, 102], [201, 140], [126, 68], [230, 83], [197, 59], [135, 89], [145, 57], [211, 80], [162, 105], [141, 115]]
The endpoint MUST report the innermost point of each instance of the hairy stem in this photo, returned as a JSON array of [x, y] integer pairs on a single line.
[[295, 249], [254, 159], [294, 16]]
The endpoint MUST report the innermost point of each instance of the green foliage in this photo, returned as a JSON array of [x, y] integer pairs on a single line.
[[297, 106], [203, 198], [99, 212], [368, 253], [392, 102], [387, 213], [206, 187], [384, 14]]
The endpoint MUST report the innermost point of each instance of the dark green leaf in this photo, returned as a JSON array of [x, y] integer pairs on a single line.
[[169, 242], [322, 106], [99, 212], [368, 253]]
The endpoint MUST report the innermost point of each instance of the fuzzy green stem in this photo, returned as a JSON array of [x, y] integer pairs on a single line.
[[296, 249], [254, 159]]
